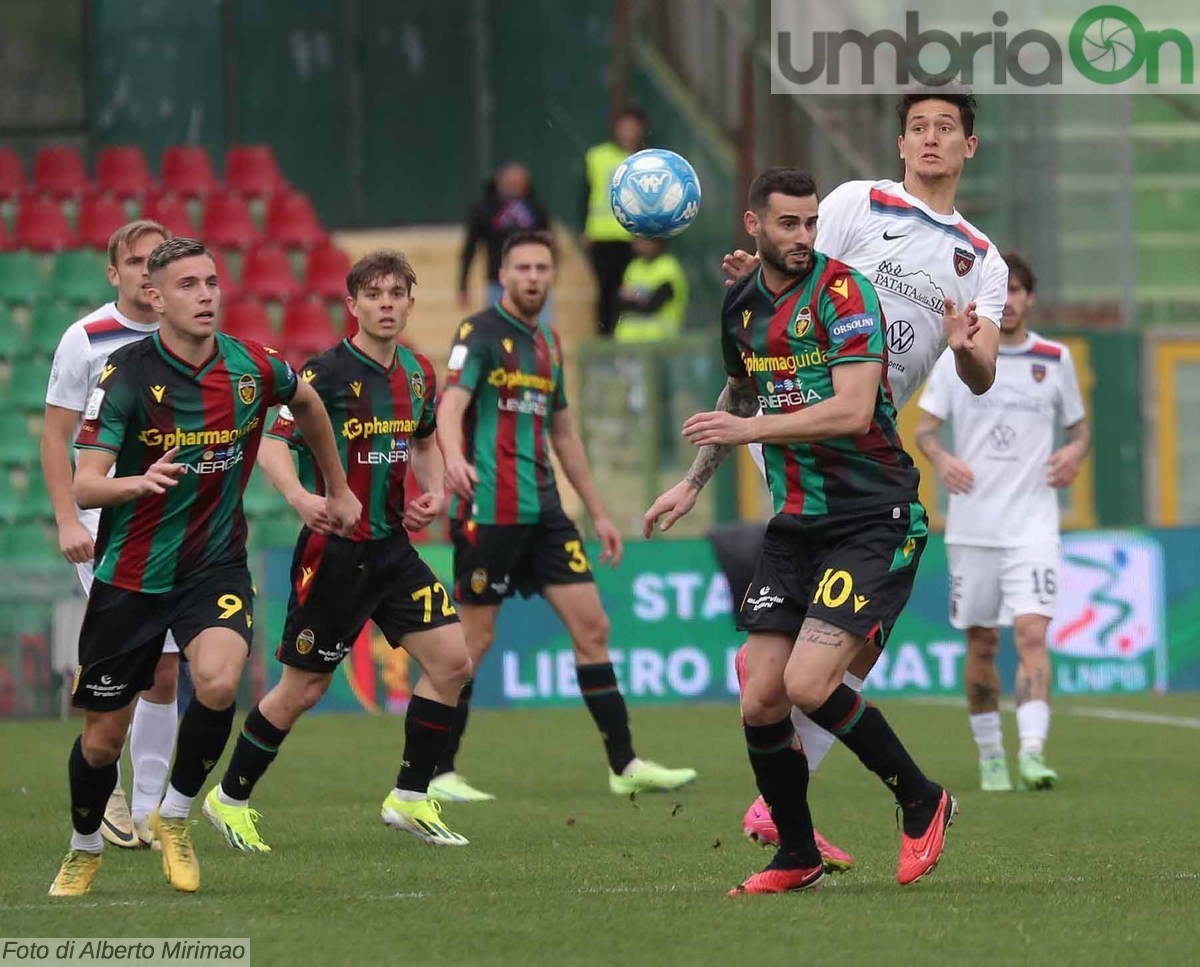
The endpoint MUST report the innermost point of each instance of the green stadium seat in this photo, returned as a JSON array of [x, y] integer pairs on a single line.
[[27, 542], [11, 498], [51, 319], [21, 281], [12, 338], [17, 444], [81, 278], [35, 498], [261, 499], [27, 387], [274, 530]]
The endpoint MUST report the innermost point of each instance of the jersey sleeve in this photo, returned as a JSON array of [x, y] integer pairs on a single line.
[[68, 386], [935, 400], [559, 402], [284, 379], [470, 357], [839, 216], [284, 428], [428, 422], [993, 287], [1070, 400], [735, 366], [852, 319], [109, 411]]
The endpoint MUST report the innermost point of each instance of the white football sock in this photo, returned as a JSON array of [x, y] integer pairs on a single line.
[[227, 800], [408, 795], [985, 726], [87, 843], [1033, 725], [816, 741], [175, 805], [151, 742]]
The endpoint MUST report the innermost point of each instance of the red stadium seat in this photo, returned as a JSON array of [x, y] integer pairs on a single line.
[[122, 170], [252, 170], [170, 211], [59, 171], [12, 174], [99, 217], [292, 221], [267, 274], [227, 223], [41, 226], [5, 240], [248, 319], [231, 288], [307, 329], [187, 170], [326, 271]]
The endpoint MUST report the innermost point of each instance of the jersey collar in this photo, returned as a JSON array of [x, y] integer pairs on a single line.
[[1030, 339], [777, 298], [124, 320], [514, 321], [186, 368], [374, 364]]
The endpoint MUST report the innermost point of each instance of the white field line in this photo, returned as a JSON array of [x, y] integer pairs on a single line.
[[1112, 714]]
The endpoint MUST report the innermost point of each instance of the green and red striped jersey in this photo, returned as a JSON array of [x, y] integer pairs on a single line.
[[149, 401], [788, 343], [375, 411], [514, 374]]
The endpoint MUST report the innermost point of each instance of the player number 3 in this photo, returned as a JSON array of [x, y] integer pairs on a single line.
[[578, 561]]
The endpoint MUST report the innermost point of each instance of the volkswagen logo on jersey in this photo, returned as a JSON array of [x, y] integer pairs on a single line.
[[1002, 436], [900, 336], [963, 260]]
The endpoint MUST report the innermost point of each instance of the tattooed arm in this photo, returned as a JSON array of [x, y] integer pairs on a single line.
[[737, 398]]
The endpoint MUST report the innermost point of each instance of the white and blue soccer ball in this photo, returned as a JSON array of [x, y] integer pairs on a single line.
[[655, 193]]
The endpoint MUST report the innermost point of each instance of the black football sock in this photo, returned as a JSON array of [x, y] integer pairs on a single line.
[[457, 727], [862, 728], [255, 750], [781, 771], [202, 737], [603, 698], [426, 730], [90, 789]]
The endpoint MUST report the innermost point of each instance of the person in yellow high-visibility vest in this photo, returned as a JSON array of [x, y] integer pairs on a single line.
[[608, 244], [653, 297]]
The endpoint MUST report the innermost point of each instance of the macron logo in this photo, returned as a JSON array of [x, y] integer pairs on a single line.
[[843, 329]]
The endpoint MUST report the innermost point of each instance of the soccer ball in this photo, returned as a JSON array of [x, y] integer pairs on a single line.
[[655, 193]]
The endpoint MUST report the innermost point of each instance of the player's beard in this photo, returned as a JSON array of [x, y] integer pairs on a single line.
[[531, 307], [777, 261]]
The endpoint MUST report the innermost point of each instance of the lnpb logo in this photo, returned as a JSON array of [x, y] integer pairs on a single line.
[[1109, 634], [1072, 48]]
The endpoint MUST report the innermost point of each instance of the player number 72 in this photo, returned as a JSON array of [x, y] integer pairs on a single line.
[[425, 596]]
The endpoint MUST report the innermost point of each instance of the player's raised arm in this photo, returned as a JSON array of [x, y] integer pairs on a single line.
[[571, 454], [342, 507], [738, 399]]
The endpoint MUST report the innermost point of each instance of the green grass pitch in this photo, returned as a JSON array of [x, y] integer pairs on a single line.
[[1103, 870]]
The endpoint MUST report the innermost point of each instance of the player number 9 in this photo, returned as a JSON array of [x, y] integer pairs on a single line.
[[230, 604]]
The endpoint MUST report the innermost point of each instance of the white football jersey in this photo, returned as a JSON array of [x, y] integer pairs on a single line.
[[79, 363], [1006, 436], [915, 258]]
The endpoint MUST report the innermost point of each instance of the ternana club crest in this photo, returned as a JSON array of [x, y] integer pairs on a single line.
[[963, 260]]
